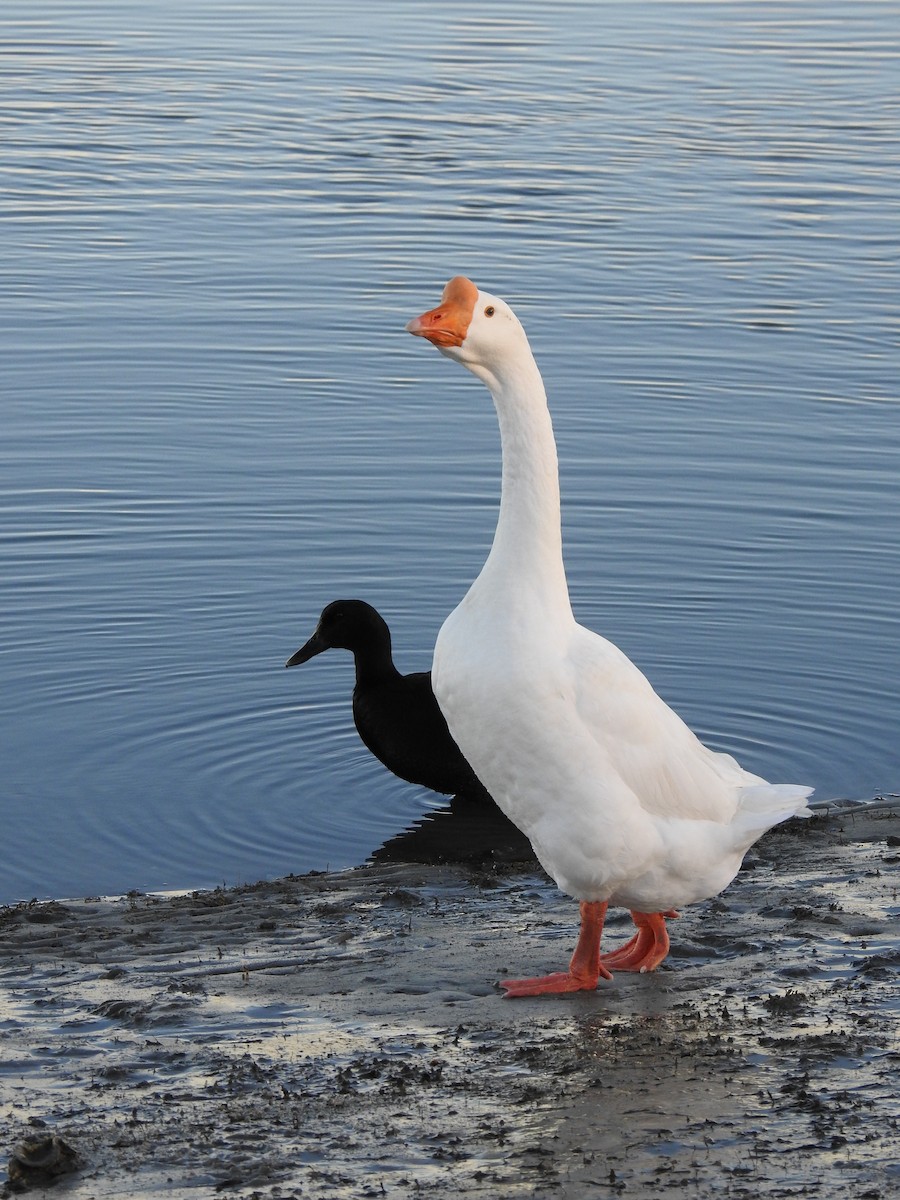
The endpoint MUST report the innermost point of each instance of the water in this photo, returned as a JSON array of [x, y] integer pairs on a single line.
[[216, 219]]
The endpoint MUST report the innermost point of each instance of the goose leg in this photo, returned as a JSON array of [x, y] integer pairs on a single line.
[[585, 968], [649, 946]]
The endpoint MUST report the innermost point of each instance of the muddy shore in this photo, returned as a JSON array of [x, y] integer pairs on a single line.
[[340, 1035]]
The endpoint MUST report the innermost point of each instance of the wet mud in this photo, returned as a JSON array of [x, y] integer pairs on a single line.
[[341, 1035]]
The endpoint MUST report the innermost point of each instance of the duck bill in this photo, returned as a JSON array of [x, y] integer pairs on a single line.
[[314, 646]]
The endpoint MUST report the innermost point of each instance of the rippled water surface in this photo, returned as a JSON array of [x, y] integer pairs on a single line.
[[216, 219]]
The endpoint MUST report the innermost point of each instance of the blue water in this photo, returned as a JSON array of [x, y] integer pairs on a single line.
[[216, 219]]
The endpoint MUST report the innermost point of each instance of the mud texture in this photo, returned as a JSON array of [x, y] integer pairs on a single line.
[[340, 1035]]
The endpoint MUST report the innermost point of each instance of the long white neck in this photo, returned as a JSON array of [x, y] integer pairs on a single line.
[[526, 555]]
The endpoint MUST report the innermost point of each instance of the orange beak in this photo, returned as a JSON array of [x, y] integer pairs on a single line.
[[448, 324]]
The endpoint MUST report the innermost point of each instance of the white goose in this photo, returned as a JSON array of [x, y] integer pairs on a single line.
[[620, 800]]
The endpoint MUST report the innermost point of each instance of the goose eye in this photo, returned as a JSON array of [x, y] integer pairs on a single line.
[[489, 311]]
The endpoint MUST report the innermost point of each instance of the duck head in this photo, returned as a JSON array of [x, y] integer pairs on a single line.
[[343, 625]]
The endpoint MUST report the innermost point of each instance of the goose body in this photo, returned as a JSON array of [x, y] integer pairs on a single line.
[[396, 716], [621, 801]]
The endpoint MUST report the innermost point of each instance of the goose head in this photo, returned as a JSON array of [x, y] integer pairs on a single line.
[[474, 328]]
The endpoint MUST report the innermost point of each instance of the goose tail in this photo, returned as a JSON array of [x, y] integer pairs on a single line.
[[763, 805]]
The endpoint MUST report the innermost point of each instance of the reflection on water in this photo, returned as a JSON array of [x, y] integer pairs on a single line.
[[214, 231], [462, 831]]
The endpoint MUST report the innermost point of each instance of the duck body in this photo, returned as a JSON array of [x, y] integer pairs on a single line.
[[620, 800], [396, 716]]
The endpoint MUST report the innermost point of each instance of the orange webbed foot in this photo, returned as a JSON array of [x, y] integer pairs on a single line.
[[585, 969], [649, 946], [555, 984]]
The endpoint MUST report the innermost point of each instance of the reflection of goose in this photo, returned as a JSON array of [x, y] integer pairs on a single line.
[[621, 802], [395, 715]]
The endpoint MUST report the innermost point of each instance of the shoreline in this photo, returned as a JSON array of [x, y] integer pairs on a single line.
[[340, 1034], [454, 833]]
